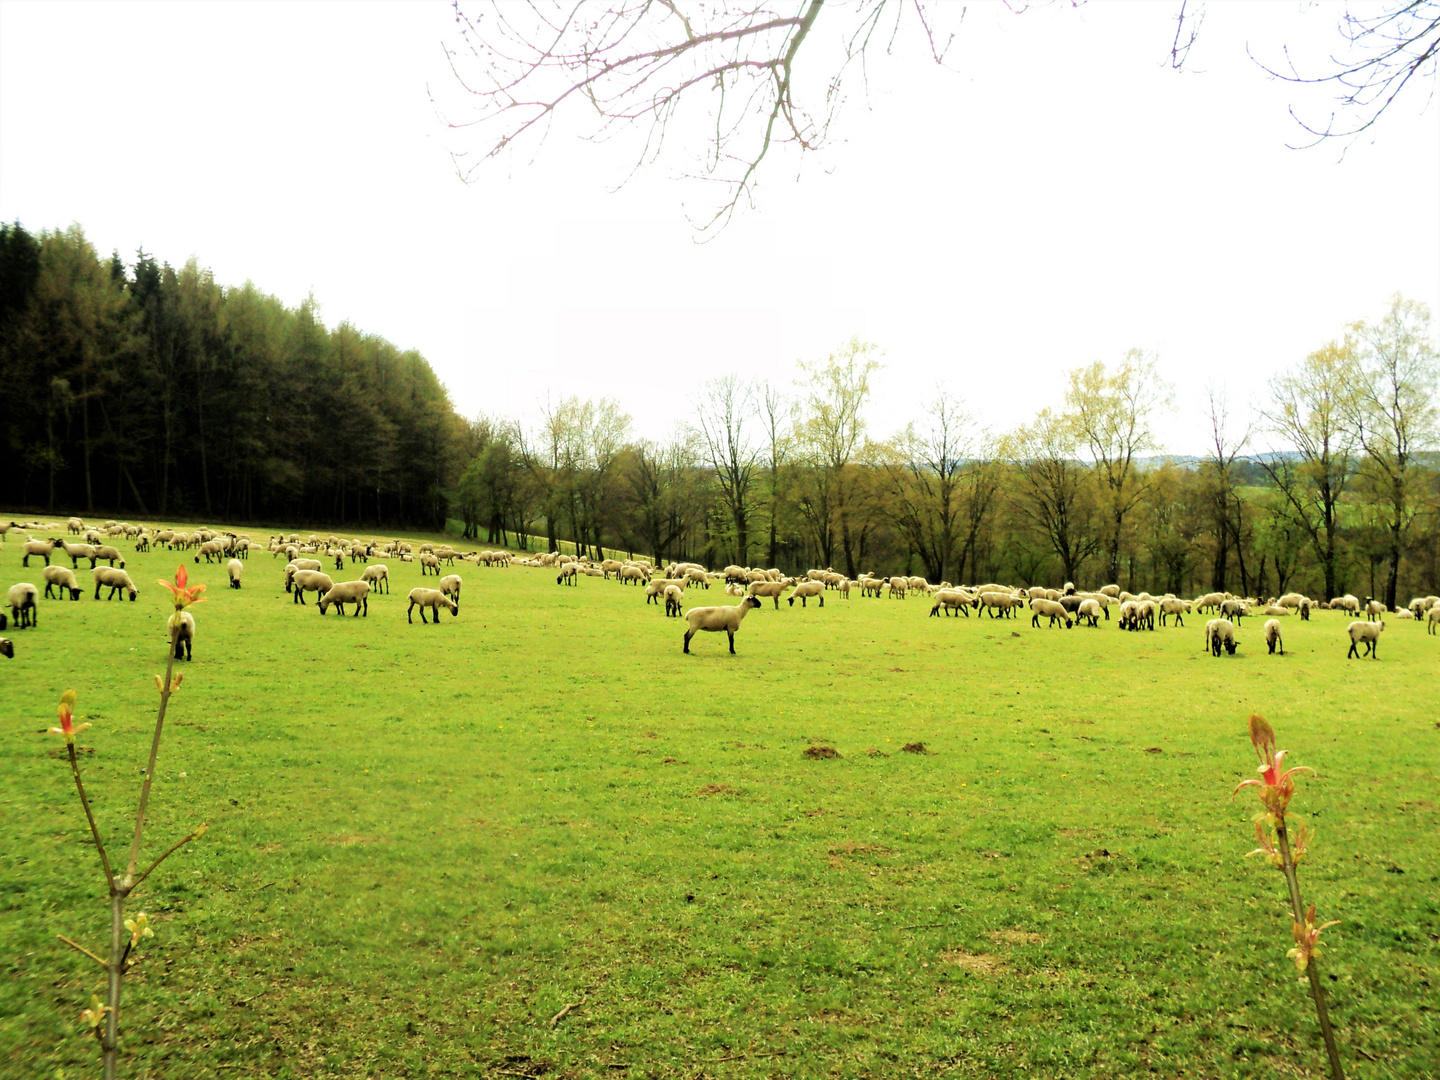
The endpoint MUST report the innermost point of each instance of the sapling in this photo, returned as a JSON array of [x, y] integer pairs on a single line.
[[1272, 831], [103, 1016]]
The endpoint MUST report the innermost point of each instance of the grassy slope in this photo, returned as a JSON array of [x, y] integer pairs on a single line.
[[426, 840]]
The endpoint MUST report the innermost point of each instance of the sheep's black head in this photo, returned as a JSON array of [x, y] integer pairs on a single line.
[[754, 601], [74, 594], [7, 649], [1231, 646]]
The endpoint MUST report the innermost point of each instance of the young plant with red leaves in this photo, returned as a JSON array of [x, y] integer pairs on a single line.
[[1275, 788], [103, 1018]]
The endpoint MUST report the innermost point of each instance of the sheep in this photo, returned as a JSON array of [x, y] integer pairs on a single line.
[[450, 586], [23, 609], [633, 575], [1003, 602], [114, 579], [715, 619], [1375, 609], [674, 598], [1051, 608], [315, 581], [804, 590], [1432, 619], [1278, 610], [569, 574], [1089, 609], [734, 589], [1364, 633], [951, 600], [1209, 602], [897, 587], [1272, 636], [434, 599], [377, 574], [235, 568], [211, 549], [43, 548], [5, 527], [182, 625], [1221, 632], [1174, 606], [772, 589], [7, 650], [61, 580], [347, 592], [1345, 603]]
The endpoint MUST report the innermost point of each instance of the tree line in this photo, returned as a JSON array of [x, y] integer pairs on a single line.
[[145, 390]]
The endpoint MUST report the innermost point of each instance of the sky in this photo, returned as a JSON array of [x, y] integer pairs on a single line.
[[1052, 196]]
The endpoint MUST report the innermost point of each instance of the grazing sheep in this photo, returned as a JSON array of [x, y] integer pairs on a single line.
[[1089, 609], [897, 587], [1375, 609], [434, 599], [1235, 610], [109, 554], [674, 598], [450, 586], [715, 619], [570, 574], [1218, 633], [43, 548], [23, 609], [1176, 607], [429, 564], [235, 568], [951, 600], [114, 579], [211, 549], [1345, 603], [315, 581], [184, 635], [1272, 636], [1003, 602], [347, 592], [1209, 602], [1051, 608], [1364, 633], [807, 589], [75, 525], [377, 574], [7, 650], [62, 580], [772, 589]]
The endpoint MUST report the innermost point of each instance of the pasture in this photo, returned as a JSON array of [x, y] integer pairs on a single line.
[[426, 841]]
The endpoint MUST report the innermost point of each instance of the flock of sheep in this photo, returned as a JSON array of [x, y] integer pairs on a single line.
[[305, 558]]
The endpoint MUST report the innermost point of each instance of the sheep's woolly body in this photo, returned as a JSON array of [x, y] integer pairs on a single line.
[[377, 574], [434, 599], [674, 598], [1364, 633], [716, 619], [347, 592], [23, 609], [772, 589], [1043, 607], [806, 589], [1221, 633], [185, 637], [235, 568], [114, 579], [315, 581], [1272, 636], [450, 586], [61, 579]]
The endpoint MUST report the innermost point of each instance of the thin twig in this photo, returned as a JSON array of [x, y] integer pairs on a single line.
[[165, 693], [81, 949], [1366, 1056], [173, 848], [1317, 992], [923, 926], [94, 831], [561, 1014]]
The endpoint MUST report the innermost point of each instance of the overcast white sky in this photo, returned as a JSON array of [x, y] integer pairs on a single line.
[[1058, 198]]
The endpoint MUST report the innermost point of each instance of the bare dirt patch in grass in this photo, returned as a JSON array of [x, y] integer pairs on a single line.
[[979, 963], [849, 848], [821, 752], [1018, 937], [875, 751], [915, 748], [716, 789], [350, 839]]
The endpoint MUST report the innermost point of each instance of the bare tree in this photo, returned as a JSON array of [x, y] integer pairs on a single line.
[[645, 64], [1220, 483], [830, 436], [1394, 413], [1112, 411], [1385, 49], [1310, 407], [726, 406], [775, 418], [1052, 493]]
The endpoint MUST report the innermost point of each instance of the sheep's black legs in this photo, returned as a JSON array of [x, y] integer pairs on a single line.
[[1352, 653], [731, 634], [688, 635]]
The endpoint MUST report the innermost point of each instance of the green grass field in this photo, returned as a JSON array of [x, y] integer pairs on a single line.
[[427, 840]]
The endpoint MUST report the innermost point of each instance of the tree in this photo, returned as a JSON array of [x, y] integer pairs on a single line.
[[1393, 413], [775, 418], [1052, 494], [1112, 412], [1310, 407], [1219, 486], [726, 406], [830, 435]]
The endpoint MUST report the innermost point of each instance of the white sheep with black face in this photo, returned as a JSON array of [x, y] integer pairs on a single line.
[[1364, 633], [716, 619], [433, 599], [234, 569], [1272, 636], [59, 580], [23, 607], [1220, 633]]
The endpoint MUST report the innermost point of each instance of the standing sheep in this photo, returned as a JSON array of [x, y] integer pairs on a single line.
[[62, 580], [715, 619], [1432, 619], [1218, 633], [674, 598], [184, 635], [347, 592], [377, 574], [23, 610], [235, 568], [1272, 637], [36, 547], [1364, 633], [114, 579], [569, 575], [434, 599], [450, 586], [807, 589], [315, 581]]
